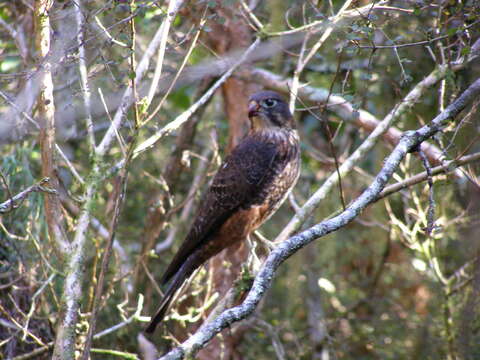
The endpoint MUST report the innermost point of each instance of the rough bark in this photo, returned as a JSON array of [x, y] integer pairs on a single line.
[[46, 107]]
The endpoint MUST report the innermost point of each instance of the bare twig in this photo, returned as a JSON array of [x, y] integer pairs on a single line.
[[177, 75], [448, 166], [303, 61], [173, 6], [15, 201], [431, 199], [418, 43], [126, 98], [347, 15], [7, 190]]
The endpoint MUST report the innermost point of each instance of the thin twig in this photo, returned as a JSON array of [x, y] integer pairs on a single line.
[[431, 199], [7, 190], [418, 43], [447, 167], [177, 75], [15, 201], [127, 95], [358, 12], [82, 68], [173, 7]]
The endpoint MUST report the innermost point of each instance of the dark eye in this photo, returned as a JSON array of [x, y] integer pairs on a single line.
[[269, 103]]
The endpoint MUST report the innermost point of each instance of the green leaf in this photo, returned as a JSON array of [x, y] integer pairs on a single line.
[[142, 105], [180, 98], [466, 50], [452, 31]]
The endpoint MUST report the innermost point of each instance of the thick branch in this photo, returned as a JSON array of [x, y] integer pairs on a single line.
[[409, 142], [53, 212]]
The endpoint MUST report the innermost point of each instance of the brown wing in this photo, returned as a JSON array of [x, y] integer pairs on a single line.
[[235, 186]]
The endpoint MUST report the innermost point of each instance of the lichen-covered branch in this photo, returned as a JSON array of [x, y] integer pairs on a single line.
[[82, 68], [409, 142]]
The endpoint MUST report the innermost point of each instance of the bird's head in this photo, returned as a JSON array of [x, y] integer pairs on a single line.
[[267, 109]]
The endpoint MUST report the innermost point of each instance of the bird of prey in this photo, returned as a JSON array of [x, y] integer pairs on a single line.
[[248, 188]]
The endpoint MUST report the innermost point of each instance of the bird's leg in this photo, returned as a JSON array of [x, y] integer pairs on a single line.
[[253, 262], [269, 245]]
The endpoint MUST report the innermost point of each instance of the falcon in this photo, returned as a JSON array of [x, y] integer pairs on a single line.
[[248, 188]]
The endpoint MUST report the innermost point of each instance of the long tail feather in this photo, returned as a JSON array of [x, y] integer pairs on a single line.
[[167, 299], [179, 278]]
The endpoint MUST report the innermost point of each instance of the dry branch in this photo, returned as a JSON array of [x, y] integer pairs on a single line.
[[448, 166], [15, 201]]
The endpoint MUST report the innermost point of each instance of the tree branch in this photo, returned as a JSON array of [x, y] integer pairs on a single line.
[[14, 202], [53, 211], [409, 142], [448, 166]]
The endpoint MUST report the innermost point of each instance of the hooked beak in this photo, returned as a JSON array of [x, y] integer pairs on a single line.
[[253, 108]]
